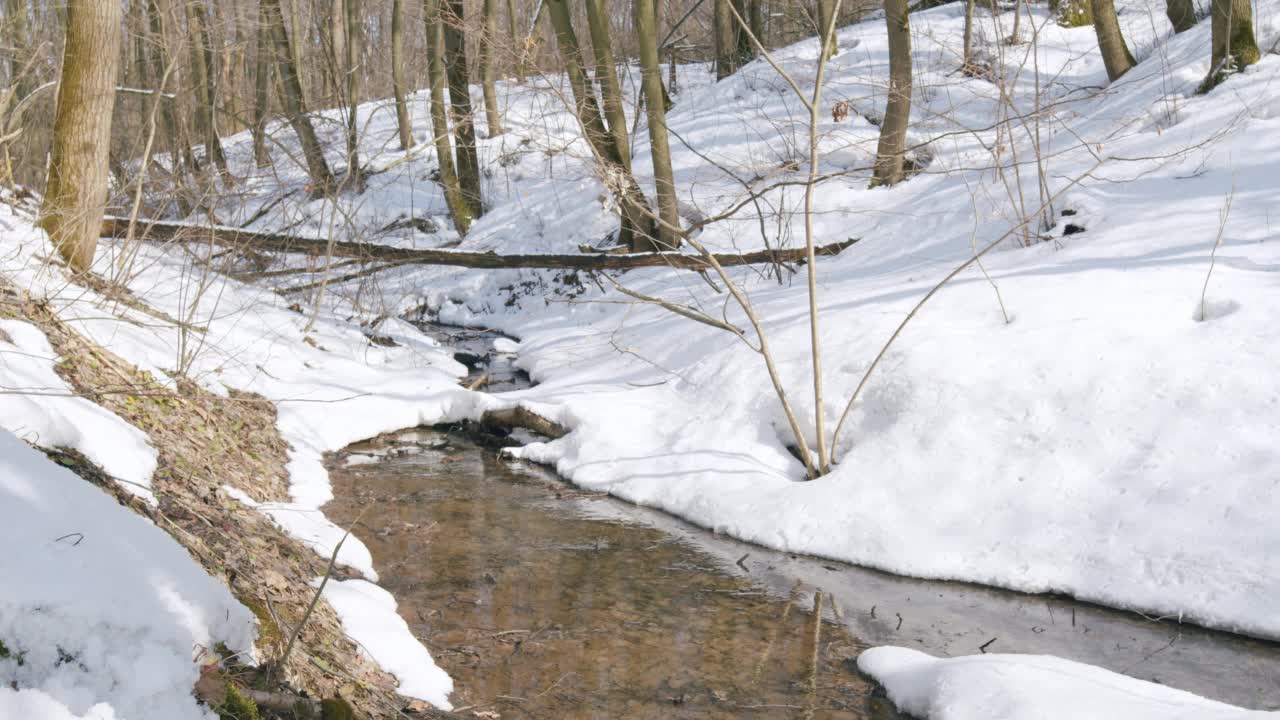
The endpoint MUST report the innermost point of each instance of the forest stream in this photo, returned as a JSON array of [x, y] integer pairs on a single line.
[[545, 601]]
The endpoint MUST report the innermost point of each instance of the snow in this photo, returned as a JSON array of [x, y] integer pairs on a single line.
[[368, 615], [39, 406], [1072, 416], [102, 614], [1020, 687]]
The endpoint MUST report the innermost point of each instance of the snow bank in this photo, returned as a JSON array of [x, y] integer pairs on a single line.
[[102, 614], [39, 406], [368, 615], [1019, 687]]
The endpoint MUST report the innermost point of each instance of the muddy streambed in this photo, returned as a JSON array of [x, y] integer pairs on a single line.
[[544, 601]]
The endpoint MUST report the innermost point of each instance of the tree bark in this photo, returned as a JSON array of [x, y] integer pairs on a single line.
[[1115, 54], [1234, 44], [890, 153], [291, 99], [205, 71], [825, 21], [262, 90], [637, 229], [598, 16], [517, 45], [76, 189], [337, 46], [1182, 14], [966, 62], [299, 35], [725, 31], [17, 36], [463, 116], [397, 75], [459, 210], [668, 213], [488, 39], [352, 67], [231, 237]]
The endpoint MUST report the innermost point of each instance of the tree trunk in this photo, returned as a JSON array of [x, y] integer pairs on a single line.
[[757, 22], [337, 46], [1234, 45], [637, 225], [204, 70], [458, 207], [1182, 14], [725, 27], [463, 117], [76, 190], [17, 37], [299, 35], [598, 16], [291, 100], [262, 90], [351, 66], [826, 22], [487, 40], [651, 78], [893, 129], [966, 63], [1115, 54], [397, 75], [517, 44]]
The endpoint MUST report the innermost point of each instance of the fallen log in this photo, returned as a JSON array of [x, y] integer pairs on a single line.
[[151, 230]]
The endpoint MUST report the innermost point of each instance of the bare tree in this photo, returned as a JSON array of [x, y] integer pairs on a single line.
[[647, 35], [352, 72], [1234, 44], [1115, 53], [204, 70], [459, 209], [397, 75], [76, 190], [891, 151], [466, 159], [726, 42], [598, 17], [637, 229], [291, 99], [262, 89], [488, 40], [826, 25]]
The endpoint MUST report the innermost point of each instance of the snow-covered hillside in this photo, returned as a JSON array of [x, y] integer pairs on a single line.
[[1092, 411]]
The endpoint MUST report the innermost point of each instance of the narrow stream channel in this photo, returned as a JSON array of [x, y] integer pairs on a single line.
[[544, 601]]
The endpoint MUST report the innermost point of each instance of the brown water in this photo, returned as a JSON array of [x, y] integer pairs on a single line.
[[540, 607]]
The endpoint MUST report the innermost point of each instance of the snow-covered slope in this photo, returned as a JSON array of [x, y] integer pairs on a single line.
[[102, 614], [1083, 414]]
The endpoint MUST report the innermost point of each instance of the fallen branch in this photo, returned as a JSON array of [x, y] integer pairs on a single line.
[[235, 237], [522, 417]]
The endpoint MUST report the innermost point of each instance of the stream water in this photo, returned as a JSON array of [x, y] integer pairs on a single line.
[[544, 601]]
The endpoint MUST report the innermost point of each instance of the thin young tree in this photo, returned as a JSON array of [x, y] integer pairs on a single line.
[[891, 150], [462, 116], [397, 75], [598, 17], [646, 20], [966, 61], [353, 72], [459, 210], [16, 37], [488, 41], [1115, 53], [825, 22], [204, 71], [1234, 44], [291, 100], [517, 45], [76, 190], [262, 89]]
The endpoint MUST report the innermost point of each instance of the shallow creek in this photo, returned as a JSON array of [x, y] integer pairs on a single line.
[[544, 601]]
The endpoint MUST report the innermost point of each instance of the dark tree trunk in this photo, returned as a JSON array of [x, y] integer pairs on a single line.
[[262, 90], [1115, 54], [459, 210], [291, 100], [463, 116], [606, 74]]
